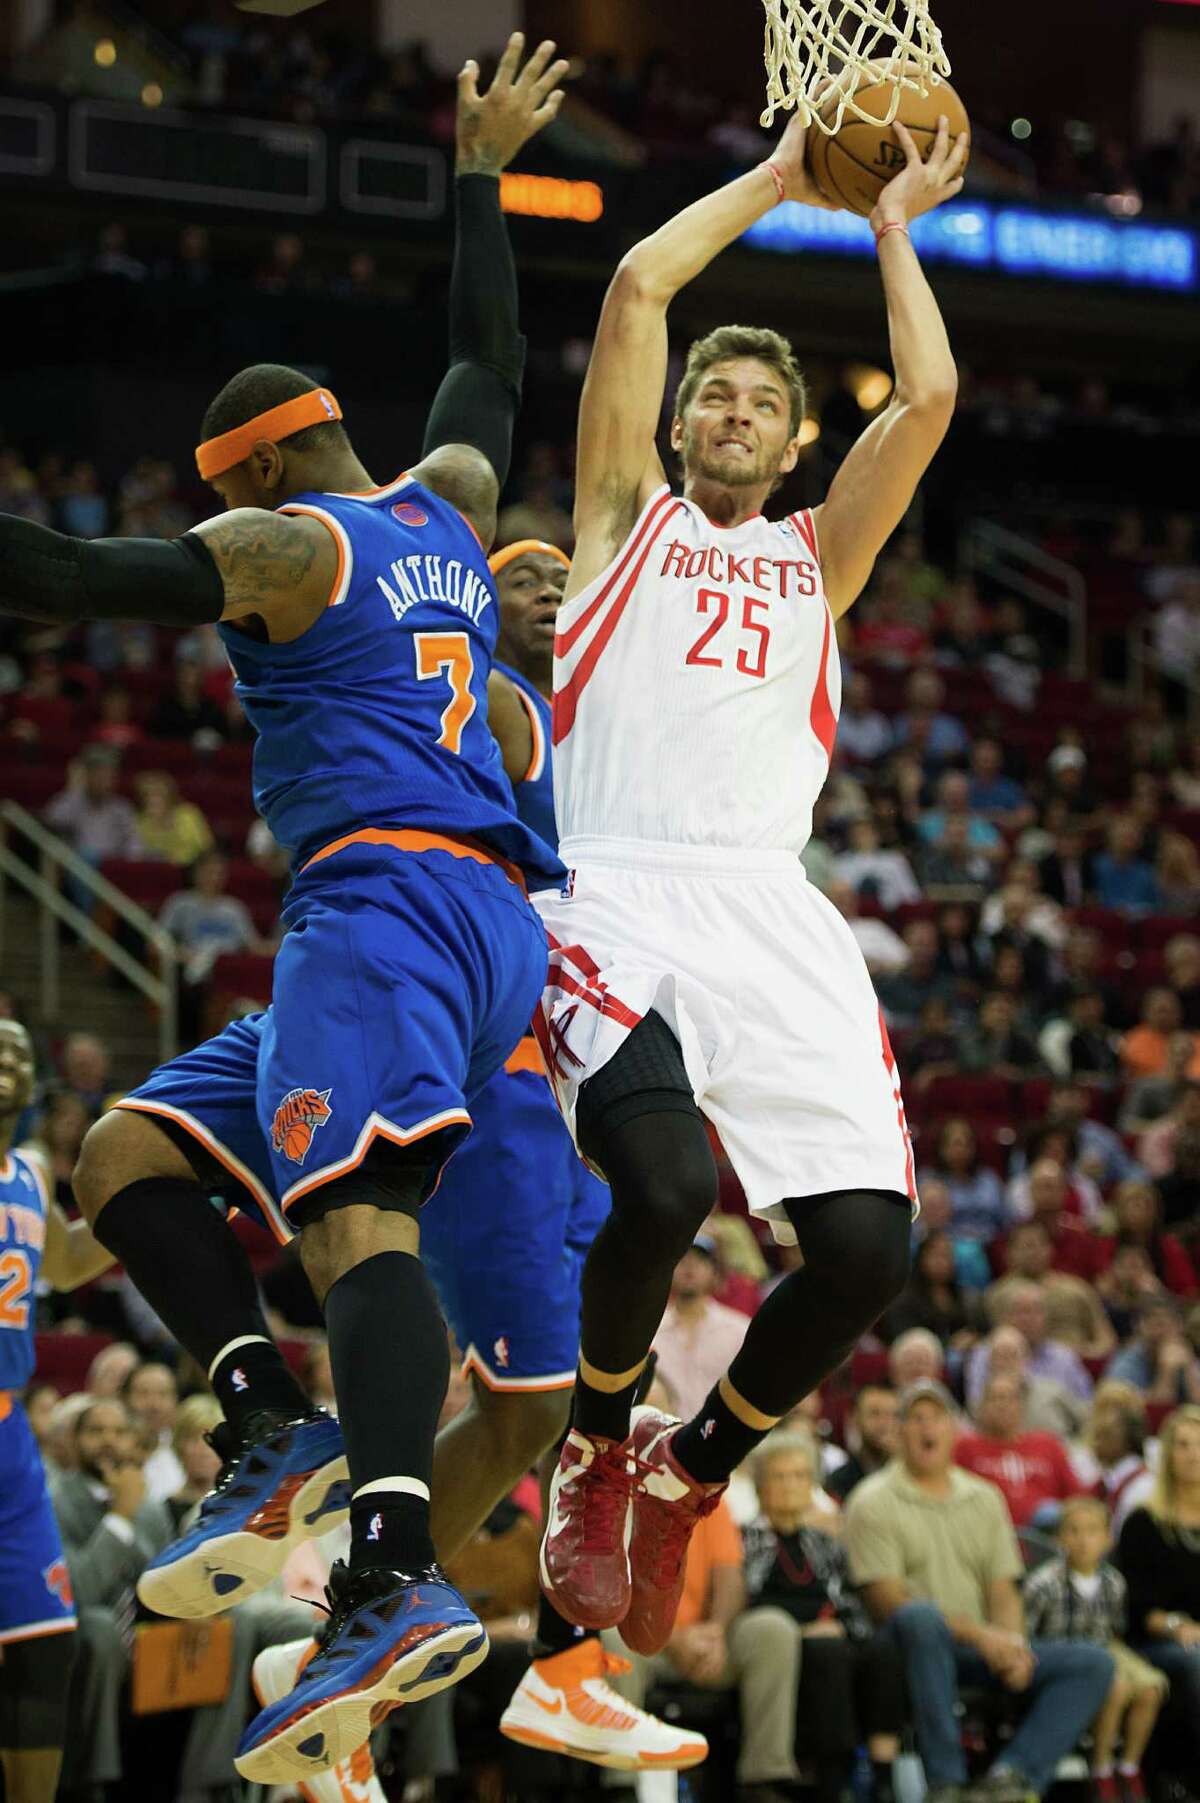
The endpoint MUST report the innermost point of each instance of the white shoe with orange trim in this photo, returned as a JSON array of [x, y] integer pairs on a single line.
[[564, 1705], [352, 1780]]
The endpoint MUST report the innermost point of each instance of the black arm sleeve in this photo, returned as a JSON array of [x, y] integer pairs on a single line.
[[45, 575], [478, 400]]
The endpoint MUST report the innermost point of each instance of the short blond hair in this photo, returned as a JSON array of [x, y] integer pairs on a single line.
[[195, 1416], [769, 347]]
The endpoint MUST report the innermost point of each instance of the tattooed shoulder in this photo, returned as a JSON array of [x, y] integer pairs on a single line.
[[265, 557]]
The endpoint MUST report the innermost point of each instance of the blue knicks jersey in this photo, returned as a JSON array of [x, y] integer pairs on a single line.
[[534, 794], [377, 715], [23, 1208]]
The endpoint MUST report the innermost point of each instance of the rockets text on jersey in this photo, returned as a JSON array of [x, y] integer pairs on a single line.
[[697, 686]]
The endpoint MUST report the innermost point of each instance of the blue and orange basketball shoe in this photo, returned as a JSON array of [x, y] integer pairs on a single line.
[[392, 1637], [283, 1482]]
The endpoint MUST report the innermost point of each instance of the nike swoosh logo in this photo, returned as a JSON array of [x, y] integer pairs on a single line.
[[554, 1708]]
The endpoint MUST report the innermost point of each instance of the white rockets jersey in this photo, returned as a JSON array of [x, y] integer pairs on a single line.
[[697, 686]]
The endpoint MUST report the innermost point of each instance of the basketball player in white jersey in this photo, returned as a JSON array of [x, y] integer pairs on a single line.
[[695, 975]]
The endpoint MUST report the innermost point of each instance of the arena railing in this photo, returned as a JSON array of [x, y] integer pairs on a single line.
[[43, 881], [1032, 574]]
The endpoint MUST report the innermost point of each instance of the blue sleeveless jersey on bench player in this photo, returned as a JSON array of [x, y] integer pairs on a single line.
[[505, 1236], [35, 1590], [408, 971]]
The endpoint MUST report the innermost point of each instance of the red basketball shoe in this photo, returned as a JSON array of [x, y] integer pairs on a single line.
[[585, 1549], [667, 1504]]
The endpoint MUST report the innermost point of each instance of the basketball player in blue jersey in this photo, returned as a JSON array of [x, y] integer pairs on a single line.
[[37, 1613], [504, 1239], [361, 623]]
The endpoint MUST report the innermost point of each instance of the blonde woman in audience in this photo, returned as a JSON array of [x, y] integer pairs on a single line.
[[1159, 1556], [171, 831]]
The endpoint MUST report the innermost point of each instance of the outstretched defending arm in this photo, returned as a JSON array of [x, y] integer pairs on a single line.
[[246, 562], [468, 437], [874, 487], [616, 465]]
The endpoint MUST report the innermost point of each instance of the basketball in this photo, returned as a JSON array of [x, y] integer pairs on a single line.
[[297, 1140], [855, 165]]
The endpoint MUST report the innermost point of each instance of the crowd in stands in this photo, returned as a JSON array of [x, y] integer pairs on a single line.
[[1016, 851], [977, 1543], [319, 70]]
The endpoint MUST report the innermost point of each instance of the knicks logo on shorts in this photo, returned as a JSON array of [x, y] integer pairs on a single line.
[[57, 1580], [297, 1117]]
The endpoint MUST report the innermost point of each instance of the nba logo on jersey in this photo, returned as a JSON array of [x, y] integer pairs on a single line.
[[297, 1117], [500, 1352]]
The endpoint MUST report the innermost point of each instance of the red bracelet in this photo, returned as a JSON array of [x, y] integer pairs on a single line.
[[893, 225], [780, 186]]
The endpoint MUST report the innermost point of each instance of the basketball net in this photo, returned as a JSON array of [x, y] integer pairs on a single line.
[[821, 50]]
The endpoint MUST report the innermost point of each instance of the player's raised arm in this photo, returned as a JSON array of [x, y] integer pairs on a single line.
[[874, 487], [617, 466], [468, 438]]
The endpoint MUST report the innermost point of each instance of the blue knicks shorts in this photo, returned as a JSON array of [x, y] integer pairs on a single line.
[[410, 968], [35, 1588], [505, 1236]]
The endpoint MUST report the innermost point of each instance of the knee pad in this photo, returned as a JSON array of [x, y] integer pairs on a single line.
[[645, 1075], [35, 1680]]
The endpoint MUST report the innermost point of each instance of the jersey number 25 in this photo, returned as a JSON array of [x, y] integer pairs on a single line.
[[449, 654]]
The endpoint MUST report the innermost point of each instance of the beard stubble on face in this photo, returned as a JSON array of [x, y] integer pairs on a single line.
[[730, 469]]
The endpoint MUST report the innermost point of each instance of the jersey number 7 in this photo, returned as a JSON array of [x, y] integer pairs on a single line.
[[449, 653]]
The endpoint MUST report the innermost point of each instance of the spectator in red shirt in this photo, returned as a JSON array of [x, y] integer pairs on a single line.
[[1032, 1470], [1139, 1223]]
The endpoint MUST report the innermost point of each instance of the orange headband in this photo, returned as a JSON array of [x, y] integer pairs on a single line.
[[524, 546], [316, 408]]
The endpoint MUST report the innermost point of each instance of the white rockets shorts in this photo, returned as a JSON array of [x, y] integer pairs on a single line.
[[762, 983]]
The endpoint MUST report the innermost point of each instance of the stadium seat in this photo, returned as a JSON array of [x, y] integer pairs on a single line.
[[1155, 930], [971, 1096], [63, 1359], [148, 884]]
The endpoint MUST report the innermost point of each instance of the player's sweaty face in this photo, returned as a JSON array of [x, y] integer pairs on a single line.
[[16, 1068], [738, 426], [531, 591]]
